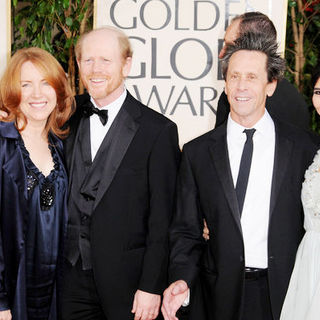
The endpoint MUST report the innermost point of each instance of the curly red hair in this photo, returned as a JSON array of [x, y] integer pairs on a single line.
[[52, 71]]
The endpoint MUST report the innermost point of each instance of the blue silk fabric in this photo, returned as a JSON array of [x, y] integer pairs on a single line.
[[32, 236]]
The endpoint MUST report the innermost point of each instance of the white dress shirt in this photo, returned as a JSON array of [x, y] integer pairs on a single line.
[[255, 213], [97, 130]]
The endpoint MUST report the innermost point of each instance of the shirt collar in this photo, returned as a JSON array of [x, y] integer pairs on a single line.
[[113, 105], [264, 126]]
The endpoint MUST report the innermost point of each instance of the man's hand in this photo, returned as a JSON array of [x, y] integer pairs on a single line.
[[5, 315], [173, 297], [3, 115], [145, 305]]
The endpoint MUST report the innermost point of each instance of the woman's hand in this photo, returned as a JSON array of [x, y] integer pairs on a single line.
[[5, 315], [3, 115], [206, 233]]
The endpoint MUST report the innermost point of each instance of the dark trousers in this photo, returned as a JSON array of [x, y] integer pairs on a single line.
[[79, 300], [257, 304]]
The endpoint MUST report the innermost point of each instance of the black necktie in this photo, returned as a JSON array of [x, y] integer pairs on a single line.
[[89, 110], [244, 168]]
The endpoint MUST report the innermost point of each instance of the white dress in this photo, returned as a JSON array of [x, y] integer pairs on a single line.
[[302, 301]]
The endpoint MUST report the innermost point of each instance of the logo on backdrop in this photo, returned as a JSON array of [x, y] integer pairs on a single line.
[[176, 43]]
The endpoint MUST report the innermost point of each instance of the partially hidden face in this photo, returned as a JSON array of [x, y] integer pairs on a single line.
[[102, 67], [247, 86], [38, 97], [316, 96]]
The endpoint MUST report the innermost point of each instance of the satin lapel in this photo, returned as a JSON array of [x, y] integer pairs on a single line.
[[69, 147], [282, 154], [70, 142], [127, 130], [219, 154]]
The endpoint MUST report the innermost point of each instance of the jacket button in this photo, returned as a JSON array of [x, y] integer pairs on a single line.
[[84, 219]]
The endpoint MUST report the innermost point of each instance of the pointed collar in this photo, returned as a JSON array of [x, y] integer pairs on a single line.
[[263, 127]]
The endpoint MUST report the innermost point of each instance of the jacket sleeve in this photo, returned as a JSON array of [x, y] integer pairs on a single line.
[[162, 171], [186, 241], [293, 109]]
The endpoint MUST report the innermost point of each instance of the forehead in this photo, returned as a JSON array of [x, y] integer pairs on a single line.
[[245, 61], [29, 70], [232, 31], [101, 43]]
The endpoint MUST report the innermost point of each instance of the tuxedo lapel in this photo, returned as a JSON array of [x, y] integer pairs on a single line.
[[122, 135], [219, 153], [282, 155], [74, 126]]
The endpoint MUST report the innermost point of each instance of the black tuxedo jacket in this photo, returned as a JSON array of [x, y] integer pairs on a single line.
[[133, 207], [286, 104], [205, 190]]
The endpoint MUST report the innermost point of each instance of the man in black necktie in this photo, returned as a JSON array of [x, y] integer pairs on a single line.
[[122, 159], [286, 104], [244, 178]]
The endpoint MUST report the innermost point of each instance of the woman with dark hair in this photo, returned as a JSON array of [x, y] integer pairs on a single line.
[[303, 296], [316, 88], [35, 94]]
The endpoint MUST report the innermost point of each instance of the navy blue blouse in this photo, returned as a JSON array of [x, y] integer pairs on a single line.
[[46, 198]]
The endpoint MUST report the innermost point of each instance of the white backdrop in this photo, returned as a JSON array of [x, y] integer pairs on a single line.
[[176, 44], [5, 41]]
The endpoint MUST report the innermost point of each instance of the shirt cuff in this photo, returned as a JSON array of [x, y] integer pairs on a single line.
[[186, 302]]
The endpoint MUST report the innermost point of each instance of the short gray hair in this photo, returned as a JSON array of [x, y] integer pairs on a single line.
[[252, 41]]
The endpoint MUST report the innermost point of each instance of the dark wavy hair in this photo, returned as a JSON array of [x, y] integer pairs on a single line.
[[315, 75], [257, 22], [252, 41]]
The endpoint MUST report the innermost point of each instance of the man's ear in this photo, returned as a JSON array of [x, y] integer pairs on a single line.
[[271, 87], [126, 67], [225, 89]]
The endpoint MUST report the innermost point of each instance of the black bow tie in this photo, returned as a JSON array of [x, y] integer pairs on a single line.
[[89, 110]]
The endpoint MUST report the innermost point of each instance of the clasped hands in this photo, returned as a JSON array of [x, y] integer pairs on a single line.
[[176, 294], [146, 305], [173, 298]]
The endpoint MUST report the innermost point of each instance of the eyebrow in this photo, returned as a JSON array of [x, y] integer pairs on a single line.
[[245, 74], [31, 80], [316, 88]]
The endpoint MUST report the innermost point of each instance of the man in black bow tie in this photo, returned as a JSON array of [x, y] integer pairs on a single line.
[[122, 159], [89, 109]]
